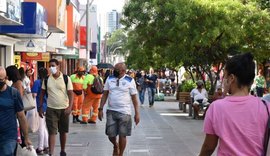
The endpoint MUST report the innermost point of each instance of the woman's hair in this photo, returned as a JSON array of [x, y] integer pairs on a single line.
[[22, 73], [42, 73], [243, 67], [13, 73]]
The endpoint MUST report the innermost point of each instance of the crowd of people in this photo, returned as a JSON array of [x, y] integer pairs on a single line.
[[84, 95]]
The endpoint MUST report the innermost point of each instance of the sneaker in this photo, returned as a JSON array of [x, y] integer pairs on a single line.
[[63, 153], [39, 151]]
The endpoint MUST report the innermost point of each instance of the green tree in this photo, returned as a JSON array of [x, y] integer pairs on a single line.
[[195, 33]]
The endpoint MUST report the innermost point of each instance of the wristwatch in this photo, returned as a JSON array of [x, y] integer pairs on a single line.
[[100, 109]]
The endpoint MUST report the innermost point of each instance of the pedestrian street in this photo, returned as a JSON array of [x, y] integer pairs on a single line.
[[163, 131]]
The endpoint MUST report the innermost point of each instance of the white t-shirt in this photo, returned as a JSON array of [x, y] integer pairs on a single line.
[[198, 95], [119, 98]]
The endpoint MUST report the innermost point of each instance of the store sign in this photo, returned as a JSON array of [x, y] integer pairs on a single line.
[[10, 12], [31, 45], [17, 61], [34, 19], [35, 56]]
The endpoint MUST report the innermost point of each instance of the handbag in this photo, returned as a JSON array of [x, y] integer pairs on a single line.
[[266, 148], [28, 101]]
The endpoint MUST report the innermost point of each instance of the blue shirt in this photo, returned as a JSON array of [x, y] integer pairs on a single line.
[[9, 107], [153, 78], [37, 89]]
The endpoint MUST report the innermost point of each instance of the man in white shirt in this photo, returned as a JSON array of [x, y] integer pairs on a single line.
[[120, 90]]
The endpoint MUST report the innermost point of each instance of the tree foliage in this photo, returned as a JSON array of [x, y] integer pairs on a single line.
[[199, 33]]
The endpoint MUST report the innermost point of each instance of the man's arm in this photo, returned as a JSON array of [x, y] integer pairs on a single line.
[[102, 103], [136, 108], [209, 145], [24, 127], [70, 99], [104, 98]]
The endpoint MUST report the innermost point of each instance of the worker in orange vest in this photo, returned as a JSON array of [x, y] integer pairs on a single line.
[[77, 82], [91, 99]]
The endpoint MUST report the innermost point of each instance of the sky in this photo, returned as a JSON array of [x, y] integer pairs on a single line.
[[107, 5], [104, 6]]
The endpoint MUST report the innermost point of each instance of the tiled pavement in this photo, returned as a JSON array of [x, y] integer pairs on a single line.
[[163, 131]]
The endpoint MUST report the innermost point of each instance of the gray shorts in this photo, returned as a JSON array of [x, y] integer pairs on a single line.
[[118, 124]]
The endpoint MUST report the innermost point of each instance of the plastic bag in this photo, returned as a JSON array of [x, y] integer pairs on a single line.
[[26, 152], [32, 118]]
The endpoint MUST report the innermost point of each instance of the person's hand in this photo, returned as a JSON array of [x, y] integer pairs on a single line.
[[28, 143], [68, 110], [136, 119], [100, 115], [40, 112]]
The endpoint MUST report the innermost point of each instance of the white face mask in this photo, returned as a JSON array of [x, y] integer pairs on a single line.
[[53, 70]]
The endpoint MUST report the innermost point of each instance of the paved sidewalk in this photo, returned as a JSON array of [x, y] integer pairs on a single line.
[[163, 131]]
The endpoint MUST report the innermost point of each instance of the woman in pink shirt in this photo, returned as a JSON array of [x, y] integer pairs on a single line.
[[238, 121]]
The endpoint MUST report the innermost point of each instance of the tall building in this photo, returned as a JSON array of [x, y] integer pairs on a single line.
[[113, 21]]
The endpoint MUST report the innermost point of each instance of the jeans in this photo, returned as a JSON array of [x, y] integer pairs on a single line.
[[7, 147], [141, 95], [151, 95]]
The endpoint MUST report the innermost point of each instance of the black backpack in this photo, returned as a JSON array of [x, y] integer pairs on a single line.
[[97, 86], [46, 82]]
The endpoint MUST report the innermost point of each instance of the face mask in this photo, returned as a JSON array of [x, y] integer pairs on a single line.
[[53, 70], [116, 73], [2, 84]]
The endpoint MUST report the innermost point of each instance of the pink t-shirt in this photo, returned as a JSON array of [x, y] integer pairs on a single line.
[[239, 122]]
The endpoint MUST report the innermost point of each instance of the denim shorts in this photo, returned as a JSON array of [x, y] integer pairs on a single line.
[[118, 124], [7, 147]]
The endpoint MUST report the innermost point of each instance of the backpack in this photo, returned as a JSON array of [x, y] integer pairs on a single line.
[[46, 82], [97, 86]]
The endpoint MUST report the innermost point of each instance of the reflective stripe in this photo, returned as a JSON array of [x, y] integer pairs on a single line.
[[95, 114], [84, 115]]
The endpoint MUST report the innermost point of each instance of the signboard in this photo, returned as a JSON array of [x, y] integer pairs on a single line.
[[17, 61], [31, 45], [34, 19], [56, 14], [35, 56], [10, 12]]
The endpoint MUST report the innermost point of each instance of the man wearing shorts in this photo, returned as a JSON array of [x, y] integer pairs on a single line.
[[59, 105], [120, 89]]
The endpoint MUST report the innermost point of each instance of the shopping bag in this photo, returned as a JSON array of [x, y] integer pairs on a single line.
[[32, 118], [159, 96], [28, 101], [26, 152]]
